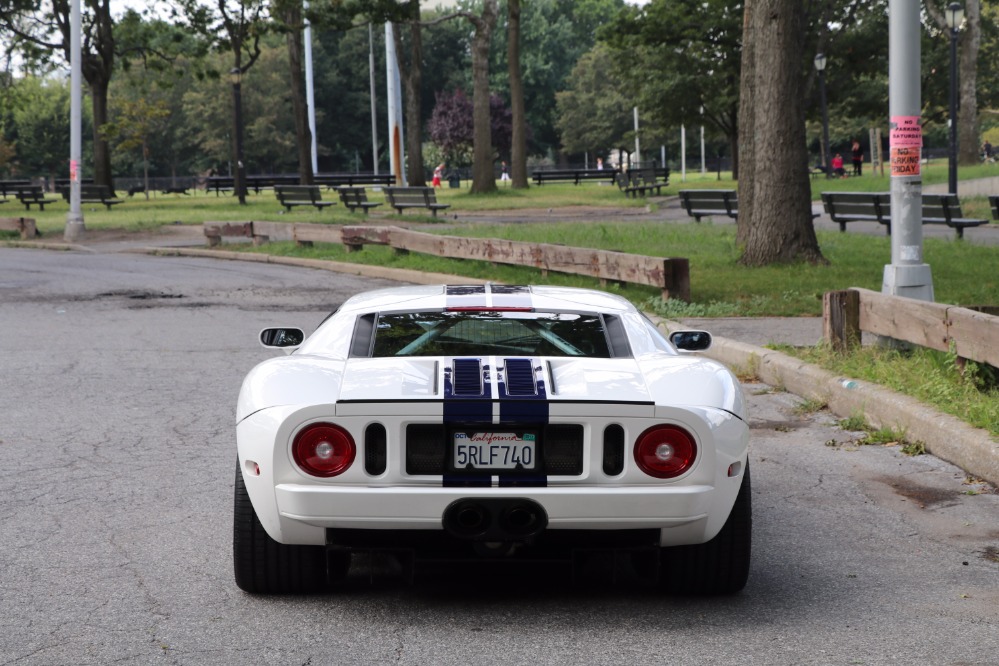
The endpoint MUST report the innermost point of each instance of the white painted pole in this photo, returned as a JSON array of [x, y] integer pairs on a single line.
[[683, 153], [74, 219], [310, 95], [638, 150], [394, 108], [374, 97]]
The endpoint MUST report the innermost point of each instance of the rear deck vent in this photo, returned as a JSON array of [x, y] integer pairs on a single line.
[[613, 450], [375, 459], [467, 376], [465, 289], [520, 377], [509, 289]]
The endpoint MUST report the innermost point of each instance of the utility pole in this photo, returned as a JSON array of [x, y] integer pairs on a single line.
[[907, 275], [74, 219]]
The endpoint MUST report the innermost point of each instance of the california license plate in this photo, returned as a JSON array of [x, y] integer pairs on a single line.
[[495, 450]]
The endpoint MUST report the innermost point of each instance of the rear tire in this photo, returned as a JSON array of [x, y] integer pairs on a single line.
[[720, 566], [264, 566]]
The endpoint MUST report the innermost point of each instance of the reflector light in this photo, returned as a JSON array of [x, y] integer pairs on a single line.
[[323, 450], [483, 308], [665, 451]]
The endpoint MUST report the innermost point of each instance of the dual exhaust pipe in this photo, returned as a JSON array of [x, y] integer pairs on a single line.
[[495, 519]]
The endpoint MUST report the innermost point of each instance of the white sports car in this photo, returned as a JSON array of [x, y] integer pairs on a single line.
[[490, 421]]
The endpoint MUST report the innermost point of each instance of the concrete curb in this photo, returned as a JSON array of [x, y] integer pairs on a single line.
[[972, 449]]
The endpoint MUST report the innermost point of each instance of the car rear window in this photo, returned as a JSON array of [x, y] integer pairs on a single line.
[[486, 332]]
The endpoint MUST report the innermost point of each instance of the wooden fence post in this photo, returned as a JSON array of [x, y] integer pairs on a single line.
[[841, 319]]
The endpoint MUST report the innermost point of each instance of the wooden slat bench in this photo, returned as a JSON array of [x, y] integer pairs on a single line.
[[708, 203], [33, 196], [641, 181], [24, 225], [301, 195], [337, 180], [356, 197], [876, 207], [101, 194], [402, 198], [845, 207], [573, 175]]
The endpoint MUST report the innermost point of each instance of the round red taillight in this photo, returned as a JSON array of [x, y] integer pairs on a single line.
[[323, 449], [665, 451]]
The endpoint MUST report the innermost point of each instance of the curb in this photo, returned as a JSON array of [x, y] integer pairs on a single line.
[[947, 437]]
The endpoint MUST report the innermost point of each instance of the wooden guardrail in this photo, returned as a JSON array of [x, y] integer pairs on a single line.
[[670, 275], [972, 334], [24, 225]]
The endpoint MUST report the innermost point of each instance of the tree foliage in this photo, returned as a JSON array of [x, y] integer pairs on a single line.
[[595, 113]]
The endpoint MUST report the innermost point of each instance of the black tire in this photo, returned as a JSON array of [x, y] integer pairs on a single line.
[[720, 566], [264, 566]]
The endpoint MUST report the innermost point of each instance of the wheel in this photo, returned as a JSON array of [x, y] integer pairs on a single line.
[[264, 566], [720, 566]]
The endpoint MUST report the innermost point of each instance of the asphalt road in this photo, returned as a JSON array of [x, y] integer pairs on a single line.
[[119, 376]]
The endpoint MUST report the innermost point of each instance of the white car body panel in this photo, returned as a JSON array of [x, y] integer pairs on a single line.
[[320, 382]]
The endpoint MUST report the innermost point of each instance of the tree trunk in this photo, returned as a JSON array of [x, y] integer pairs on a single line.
[[412, 78], [300, 109], [102, 150], [518, 147], [775, 209], [969, 43], [483, 178]]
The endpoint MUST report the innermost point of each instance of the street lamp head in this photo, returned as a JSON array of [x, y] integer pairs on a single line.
[[955, 15], [235, 74], [820, 62]]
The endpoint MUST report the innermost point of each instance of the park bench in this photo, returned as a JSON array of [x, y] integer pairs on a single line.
[[101, 194], [13, 186], [876, 207], [219, 184], [301, 195], [994, 202], [337, 180], [575, 176], [24, 225], [179, 189], [401, 198], [94, 194], [33, 195], [844, 207], [356, 197], [708, 203], [641, 181]]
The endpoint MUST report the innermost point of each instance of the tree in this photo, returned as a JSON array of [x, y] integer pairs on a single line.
[[235, 27], [518, 147], [775, 210], [483, 177], [595, 112], [969, 42], [45, 27], [137, 121], [451, 127], [290, 18]]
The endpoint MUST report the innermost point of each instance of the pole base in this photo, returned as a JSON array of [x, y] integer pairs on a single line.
[[910, 281]]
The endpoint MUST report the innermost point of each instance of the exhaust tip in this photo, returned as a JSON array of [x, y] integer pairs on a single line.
[[466, 519]]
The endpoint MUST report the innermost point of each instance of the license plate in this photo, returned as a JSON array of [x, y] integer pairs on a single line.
[[494, 450]]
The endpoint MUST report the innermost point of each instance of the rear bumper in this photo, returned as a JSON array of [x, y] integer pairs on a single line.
[[680, 515]]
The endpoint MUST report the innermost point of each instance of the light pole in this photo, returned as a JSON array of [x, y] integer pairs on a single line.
[[820, 67], [239, 180], [955, 15]]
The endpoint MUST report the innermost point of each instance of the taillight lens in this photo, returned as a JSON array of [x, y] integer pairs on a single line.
[[323, 449], [665, 451]]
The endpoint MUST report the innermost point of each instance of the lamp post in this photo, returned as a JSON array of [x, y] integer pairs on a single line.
[[820, 67], [239, 180], [955, 15]]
